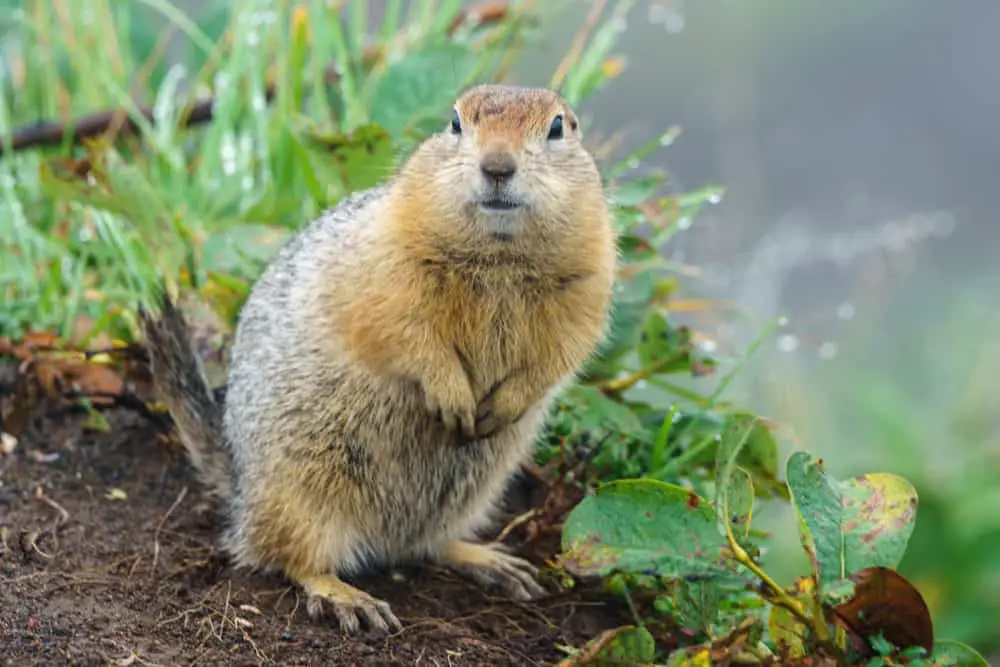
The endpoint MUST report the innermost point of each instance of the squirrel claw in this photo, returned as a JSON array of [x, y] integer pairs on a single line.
[[490, 417], [349, 604], [487, 422], [490, 565], [463, 421]]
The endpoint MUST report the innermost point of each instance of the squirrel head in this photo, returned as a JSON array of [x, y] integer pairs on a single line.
[[508, 155]]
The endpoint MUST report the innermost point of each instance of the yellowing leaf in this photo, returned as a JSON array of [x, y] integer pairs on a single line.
[[863, 522]]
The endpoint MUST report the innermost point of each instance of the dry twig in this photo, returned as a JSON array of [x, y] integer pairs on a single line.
[[159, 529]]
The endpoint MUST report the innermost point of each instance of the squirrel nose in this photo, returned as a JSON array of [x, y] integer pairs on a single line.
[[498, 165]]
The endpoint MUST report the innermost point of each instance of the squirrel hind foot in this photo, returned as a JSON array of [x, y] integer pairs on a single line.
[[491, 565], [349, 604]]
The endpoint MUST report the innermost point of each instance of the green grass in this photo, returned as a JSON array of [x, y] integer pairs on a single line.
[[217, 197]]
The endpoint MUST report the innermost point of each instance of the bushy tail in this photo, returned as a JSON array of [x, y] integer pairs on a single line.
[[180, 382]]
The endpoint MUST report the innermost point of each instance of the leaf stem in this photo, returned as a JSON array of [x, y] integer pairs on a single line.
[[619, 385], [778, 596]]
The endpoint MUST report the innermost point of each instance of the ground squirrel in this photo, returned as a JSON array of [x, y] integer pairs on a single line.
[[393, 365]]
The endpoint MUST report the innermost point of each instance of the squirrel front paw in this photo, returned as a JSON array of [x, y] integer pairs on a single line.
[[454, 404], [503, 406]]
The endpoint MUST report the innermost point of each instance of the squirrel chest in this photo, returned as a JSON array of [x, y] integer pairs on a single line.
[[501, 312]]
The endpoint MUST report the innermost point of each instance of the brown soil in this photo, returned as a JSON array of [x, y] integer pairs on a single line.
[[108, 557]]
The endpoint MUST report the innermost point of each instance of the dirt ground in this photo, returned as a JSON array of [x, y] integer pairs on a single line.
[[108, 557]]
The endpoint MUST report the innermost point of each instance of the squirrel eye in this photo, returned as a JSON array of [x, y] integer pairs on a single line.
[[456, 122], [556, 129]]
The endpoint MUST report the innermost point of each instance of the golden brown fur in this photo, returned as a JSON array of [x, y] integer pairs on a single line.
[[393, 365]]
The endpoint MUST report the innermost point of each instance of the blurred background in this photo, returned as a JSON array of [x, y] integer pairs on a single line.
[[857, 145]]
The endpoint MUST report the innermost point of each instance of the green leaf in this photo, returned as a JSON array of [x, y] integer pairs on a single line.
[[421, 84], [729, 486], [595, 412], [739, 503], [862, 522], [637, 191], [758, 455], [693, 605], [818, 505], [665, 347], [733, 484], [360, 159], [646, 526], [626, 645], [956, 654]]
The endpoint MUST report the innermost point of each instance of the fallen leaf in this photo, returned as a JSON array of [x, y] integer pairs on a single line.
[[886, 603], [116, 494], [59, 376], [26, 348]]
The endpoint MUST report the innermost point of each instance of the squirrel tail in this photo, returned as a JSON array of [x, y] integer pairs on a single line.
[[180, 382]]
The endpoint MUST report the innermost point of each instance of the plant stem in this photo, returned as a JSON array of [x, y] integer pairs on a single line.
[[779, 596], [619, 385]]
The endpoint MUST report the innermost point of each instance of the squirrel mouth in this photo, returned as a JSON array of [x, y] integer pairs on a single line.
[[499, 204]]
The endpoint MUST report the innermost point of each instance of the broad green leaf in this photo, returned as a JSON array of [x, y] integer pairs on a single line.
[[361, 158], [626, 645], [648, 526], [862, 522], [421, 84], [818, 505], [951, 653]]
